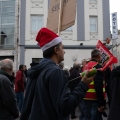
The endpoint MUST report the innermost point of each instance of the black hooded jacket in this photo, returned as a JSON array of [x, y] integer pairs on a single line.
[[114, 112], [8, 106], [47, 94]]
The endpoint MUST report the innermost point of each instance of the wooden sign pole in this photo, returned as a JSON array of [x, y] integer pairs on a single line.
[[60, 16]]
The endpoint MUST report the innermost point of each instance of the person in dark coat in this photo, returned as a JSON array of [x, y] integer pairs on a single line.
[[72, 68], [47, 93], [107, 74], [114, 112], [25, 71], [8, 105], [66, 71], [74, 74]]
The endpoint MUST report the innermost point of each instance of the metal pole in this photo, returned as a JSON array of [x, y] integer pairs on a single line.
[[60, 16], [1, 25], [17, 32]]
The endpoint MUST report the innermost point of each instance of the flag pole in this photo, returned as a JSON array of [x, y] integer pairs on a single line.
[[60, 17]]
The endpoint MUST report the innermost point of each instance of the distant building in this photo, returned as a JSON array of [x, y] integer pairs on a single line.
[[9, 30], [92, 24], [116, 49]]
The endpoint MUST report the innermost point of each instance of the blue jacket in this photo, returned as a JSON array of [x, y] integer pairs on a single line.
[[48, 96]]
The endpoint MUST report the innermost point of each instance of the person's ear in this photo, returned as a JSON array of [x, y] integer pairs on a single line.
[[56, 50]]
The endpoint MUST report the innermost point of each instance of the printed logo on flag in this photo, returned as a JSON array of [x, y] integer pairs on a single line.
[[107, 57]]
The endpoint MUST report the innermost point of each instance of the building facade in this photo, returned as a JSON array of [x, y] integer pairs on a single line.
[[116, 48], [92, 24], [9, 30]]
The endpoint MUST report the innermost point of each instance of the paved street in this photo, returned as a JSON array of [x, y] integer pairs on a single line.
[[78, 113]]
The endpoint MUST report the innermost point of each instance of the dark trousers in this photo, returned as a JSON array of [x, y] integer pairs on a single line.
[[20, 97], [89, 110]]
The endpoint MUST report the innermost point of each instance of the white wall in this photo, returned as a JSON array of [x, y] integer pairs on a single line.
[[30, 53], [75, 53], [68, 57], [71, 38], [32, 9], [93, 11], [68, 37]]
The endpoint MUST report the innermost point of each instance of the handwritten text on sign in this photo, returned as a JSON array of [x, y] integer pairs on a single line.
[[67, 17], [56, 7]]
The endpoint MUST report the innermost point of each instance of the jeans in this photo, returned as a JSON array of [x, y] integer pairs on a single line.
[[20, 97], [89, 110]]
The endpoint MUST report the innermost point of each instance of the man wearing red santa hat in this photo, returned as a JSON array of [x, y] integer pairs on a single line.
[[47, 93]]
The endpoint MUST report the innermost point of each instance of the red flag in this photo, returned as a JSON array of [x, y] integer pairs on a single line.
[[107, 56]]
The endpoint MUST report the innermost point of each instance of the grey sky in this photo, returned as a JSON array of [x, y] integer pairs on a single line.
[[115, 7]]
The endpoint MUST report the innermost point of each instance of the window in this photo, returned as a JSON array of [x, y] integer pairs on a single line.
[[36, 23], [93, 24], [5, 57], [0, 6], [8, 19], [8, 6], [36, 60], [93, 0], [69, 29], [7, 23]]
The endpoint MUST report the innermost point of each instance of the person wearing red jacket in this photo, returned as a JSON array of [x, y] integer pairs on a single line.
[[19, 86], [93, 105]]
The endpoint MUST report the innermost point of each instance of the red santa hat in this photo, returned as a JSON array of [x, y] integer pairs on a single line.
[[47, 39]]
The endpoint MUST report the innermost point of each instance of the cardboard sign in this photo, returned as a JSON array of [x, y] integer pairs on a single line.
[[68, 14], [107, 57]]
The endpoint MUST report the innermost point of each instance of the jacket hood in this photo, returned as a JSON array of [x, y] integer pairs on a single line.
[[34, 71]]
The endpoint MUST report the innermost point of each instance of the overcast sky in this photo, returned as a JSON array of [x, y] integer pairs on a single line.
[[115, 7]]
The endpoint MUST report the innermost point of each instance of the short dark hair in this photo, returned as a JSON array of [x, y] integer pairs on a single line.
[[95, 53], [21, 67], [49, 52]]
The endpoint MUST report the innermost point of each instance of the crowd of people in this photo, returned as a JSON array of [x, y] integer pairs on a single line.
[[48, 91]]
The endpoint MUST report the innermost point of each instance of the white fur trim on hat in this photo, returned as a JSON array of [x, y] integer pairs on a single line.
[[54, 42]]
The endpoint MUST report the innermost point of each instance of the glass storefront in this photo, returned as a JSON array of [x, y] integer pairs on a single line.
[[7, 23]]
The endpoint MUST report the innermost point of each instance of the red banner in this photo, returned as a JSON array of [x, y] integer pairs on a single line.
[[107, 56]]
